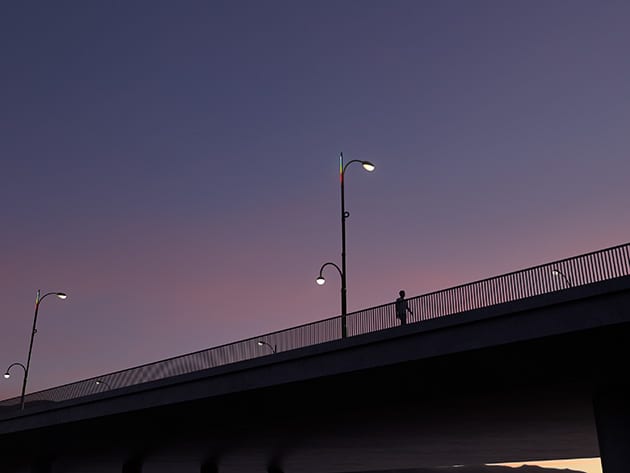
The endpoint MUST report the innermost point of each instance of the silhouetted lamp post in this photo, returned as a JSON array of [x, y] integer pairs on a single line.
[[38, 300], [262, 343], [368, 166], [556, 272]]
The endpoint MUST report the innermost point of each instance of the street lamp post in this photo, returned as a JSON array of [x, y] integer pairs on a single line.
[[368, 166], [556, 272], [273, 348], [100, 382], [38, 300]]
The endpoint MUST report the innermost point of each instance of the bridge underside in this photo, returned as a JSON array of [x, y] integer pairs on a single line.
[[524, 401]]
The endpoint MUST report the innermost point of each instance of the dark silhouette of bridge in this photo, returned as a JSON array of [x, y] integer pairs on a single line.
[[527, 365]]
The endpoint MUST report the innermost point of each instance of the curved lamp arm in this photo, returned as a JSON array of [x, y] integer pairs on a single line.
[[367, 165], [60, 295], [320, 279], [98, 382], [7, 375]]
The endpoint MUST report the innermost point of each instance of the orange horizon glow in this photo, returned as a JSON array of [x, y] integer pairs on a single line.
[[587, 465]]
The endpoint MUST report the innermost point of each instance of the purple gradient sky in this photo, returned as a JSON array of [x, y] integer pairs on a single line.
[[173, 165]]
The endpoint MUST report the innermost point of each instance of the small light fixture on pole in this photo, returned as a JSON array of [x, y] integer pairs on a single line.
[[100, 382], [557, 273], [262, 343], [7, 375], [368, 166], [38, 300], [321, 281]]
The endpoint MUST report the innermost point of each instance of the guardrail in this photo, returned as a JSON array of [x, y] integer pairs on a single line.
[[589, 268]]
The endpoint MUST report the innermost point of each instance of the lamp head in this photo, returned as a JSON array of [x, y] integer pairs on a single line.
[[7, 375], [555, 272], [320, 281], [62, 295], [368, 166], [260, 343]]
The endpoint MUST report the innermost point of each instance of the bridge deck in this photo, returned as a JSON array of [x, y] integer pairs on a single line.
[[556, 277]]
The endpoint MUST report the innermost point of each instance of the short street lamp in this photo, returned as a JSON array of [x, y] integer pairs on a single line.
[[262, 343], [557, 273], [38, 300], [368, 166], [100, 382]]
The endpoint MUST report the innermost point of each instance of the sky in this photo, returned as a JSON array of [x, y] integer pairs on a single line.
[[587, 465], [173, 166]]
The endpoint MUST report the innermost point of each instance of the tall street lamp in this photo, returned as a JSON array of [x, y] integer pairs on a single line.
[[368, 166], [38, 300]]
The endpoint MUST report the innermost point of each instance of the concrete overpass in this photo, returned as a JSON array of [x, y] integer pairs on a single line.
[[536, 377]]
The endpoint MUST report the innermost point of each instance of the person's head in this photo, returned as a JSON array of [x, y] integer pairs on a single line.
[[402, 293]]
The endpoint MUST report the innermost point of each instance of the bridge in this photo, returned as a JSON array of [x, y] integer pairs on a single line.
[[523, 366]]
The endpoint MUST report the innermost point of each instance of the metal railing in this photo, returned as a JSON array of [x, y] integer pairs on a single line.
[[580, 270]]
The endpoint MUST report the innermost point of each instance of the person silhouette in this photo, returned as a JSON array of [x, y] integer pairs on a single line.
[[402, 307]]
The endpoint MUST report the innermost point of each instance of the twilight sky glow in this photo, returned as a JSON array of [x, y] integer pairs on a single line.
[[172, 166], [587, 465]]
